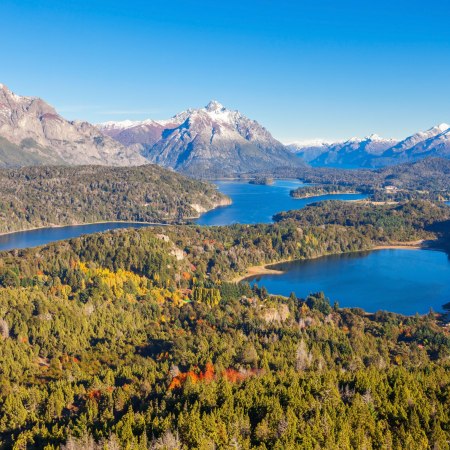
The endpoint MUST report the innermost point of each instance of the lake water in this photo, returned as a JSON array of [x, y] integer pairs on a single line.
[[251, 204], [258, 203], [402, 281], [42, 236]]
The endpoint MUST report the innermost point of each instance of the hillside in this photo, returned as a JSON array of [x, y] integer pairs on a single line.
[[93, 193], [208, 142], [33, 133]]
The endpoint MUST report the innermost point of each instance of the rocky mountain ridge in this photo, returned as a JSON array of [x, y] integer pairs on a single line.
[[33, 133], [204, 141]]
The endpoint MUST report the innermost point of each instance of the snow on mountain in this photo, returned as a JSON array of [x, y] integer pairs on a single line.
[[375, 151], [432, 142], [32, 132], [205, 142], [354, 152]]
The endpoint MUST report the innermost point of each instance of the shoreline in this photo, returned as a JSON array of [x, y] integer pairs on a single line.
[[264, 269], [48, 227], [260, 270], [225, 202], [304, 197]]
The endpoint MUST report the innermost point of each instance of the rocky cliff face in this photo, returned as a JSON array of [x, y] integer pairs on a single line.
[[204, 142], [32, 132]]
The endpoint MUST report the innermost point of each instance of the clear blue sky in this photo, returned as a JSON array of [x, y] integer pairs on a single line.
[[304, 69]]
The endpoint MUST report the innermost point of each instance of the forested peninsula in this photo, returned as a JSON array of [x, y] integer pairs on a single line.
[[89, 194], [427, 179]]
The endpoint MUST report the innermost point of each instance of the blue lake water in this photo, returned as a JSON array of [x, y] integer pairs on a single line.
[[402, 281], [251, 204], [258, 203]]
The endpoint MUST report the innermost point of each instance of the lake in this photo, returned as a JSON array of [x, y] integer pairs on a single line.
[[403, 281], [258, 203], [251, 204]]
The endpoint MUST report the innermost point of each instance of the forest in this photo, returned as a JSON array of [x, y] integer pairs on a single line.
[[94, 193], [139, 339]]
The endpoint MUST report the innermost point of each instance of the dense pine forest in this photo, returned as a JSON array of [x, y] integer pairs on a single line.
[[139, 339], [92, 194]]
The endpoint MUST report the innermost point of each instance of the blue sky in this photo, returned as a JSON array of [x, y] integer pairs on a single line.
[[304, 69]]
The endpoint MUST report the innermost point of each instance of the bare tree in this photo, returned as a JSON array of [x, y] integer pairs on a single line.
[[168, 441], [88, 443], [82, 443], [4, 329], [303, 358]]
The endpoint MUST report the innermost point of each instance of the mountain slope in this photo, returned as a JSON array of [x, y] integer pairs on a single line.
[[32, 133], [352, 153], [373, 151], [433, 142], [210, 141]]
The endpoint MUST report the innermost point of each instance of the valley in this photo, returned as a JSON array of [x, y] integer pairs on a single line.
[[224, 225]]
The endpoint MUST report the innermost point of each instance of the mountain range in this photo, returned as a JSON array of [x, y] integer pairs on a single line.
[[205, 141], [374, 151]]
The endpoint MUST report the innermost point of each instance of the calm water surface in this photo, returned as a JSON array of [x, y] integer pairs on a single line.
[[402, 281], [251, 204], [258, 203], [33, 238]]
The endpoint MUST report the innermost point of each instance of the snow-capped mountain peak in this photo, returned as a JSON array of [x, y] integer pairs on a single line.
[[443, 127], [308, 143], [212, 139], [214, 106], [373, 137]]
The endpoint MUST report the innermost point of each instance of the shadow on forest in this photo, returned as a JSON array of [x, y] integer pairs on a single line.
[[442, 229], [154, 348]]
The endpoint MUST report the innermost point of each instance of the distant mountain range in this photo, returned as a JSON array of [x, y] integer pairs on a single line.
[[374, 151], [205, 141]]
